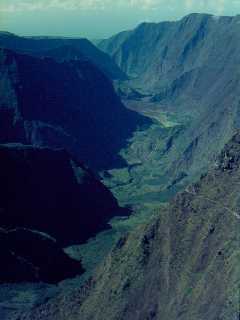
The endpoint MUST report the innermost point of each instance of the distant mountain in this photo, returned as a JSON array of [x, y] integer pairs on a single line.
[[188, 69], [45, 190], [68, 104], [181, 265], [36, 45], [162, 52]]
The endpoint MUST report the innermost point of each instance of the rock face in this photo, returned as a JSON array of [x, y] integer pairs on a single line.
[[163, 52], [70, 105], [189, 69], [69, 48], [183, 265], [31, 256], [46, 190]]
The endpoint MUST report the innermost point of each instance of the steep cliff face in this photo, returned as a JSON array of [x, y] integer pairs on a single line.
[[46, 190], [183, 265], [42, 46], [187, 70], [70, 104], [163, 52]]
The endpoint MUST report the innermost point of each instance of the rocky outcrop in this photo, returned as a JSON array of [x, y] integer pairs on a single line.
[[45, 190]]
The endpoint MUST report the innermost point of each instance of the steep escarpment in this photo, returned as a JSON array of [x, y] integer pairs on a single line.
[[184, 71], [163, 52], [184, 264], [45, 190], [77, 49], [70, 105]]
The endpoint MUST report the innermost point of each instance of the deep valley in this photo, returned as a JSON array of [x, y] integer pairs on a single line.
[[120, 174]]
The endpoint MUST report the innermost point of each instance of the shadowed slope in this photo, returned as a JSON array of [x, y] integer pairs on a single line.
[[27, 255], [43, 45], [71, 105], [46, 190], [183, 265]]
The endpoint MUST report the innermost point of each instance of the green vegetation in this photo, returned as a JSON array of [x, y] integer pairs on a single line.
[[141, 185], [187, 256], [145, 179]]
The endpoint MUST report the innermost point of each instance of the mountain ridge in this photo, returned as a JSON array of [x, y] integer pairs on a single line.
[[31, 45]]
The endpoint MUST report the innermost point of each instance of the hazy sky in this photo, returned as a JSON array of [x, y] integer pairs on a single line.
[[99, 18]]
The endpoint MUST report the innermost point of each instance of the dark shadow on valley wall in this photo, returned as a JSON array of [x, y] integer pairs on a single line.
[[69, 104]]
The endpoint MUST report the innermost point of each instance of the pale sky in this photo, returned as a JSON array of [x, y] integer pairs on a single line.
[[99, 18]]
